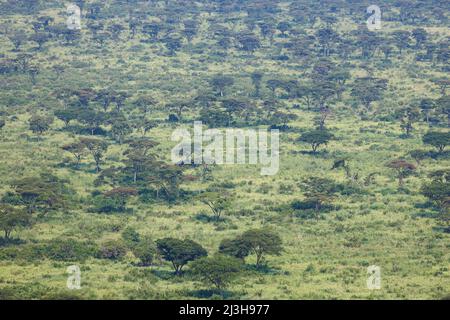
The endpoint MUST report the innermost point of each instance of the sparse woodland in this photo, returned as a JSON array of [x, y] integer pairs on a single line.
[[86, 119]]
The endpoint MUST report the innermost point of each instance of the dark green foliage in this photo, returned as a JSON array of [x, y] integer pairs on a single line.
[[40, 124], [131, 237], [112, 250], [179, 252], [44, 193], [67, 115], [439, 140], [260, 242], [438, 191], [235, 247], [12, 218], [316, 138], [145, 251], [402, 168], [103, 204], [69, 250], [319, 191], [218, 270]]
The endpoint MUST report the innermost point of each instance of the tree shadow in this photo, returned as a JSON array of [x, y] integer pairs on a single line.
[[10, 242]]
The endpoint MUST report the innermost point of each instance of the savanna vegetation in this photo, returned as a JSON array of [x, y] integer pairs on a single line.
[[87, 115]]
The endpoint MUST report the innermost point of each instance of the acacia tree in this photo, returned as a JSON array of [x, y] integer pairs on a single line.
[[368, 90], [319, 191], [43, 193], [121, 195], [40, 124], [218, 202], [180, 252], [402, 168], [96, 148], [316, 138], [120, 127], [438, 191], [409, 115], [66, 115], [220, 83], [426, 106], [138, 160], [77, 149], [260, 242], [12, 218], [219, 270], [145, 103], [439, 140], [256, 80], [91, 119]]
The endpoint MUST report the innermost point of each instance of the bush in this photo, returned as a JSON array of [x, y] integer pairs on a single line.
[[145, 251], [112, 250], [103, 204], [27, 252], [131, 237], [69, 250]]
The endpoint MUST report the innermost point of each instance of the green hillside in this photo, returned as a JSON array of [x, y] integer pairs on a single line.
[[88, 109]]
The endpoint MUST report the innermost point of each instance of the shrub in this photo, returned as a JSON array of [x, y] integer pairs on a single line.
[[69, 250], [102, 204], [131, 237], [112, 250], [145, 251], [218, 270]]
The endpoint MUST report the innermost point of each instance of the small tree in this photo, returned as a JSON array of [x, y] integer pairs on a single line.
[[256, 80], [40, 124], [11, 218], [42, 193], [145, 251], [438, 192], [97, 148], [66, 115], [121, 195], [218, 202], [179, 252], [426, 106], [403, 169], [316, 138], [219, 270], [78, 149], [418, 155], [220, 82], [439, 140], [2, 123], [408, 117], [319, 191], [237, 248], [262, 242]]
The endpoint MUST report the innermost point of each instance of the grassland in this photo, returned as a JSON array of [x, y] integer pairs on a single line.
[[325, 258]]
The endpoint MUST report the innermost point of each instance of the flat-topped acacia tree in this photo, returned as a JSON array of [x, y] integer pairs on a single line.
[[96, 148], [439, 140], [316, 138], [180, 252], [403, 169], [11, 218]]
